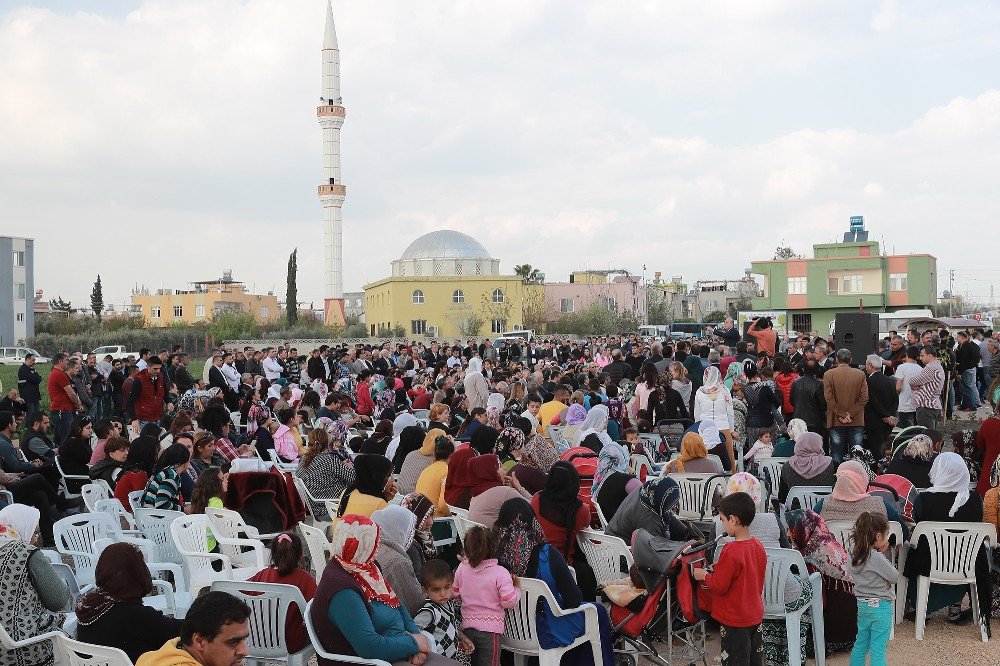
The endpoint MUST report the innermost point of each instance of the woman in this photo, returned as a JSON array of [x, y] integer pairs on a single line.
[[784, 375], [645, 386], [114, 615], [509, 446], [850, 497], [458, 483], [423, 548], [603, 358], [32, 594], [378, 442], [327, 471], [650, 508], [372, 488], [914, 461], [808, 467], [109, 469], [477, 391], [204, 454], [761, 400], [398, 526], [560, 512], [490, 490], [612, 481], [137, 469], [410, 440], [680, 382], [399, 424], [440, 418], [431, 482], [948, 500], [417, 461], [494, 407], [538, 456], [576, 415], [693, 457], [355, 611], [594, 430], [785, 446], [822, 552], [714, 401], [988, 441], [310, 404], [163, 491], [525, 552], [75, 452]]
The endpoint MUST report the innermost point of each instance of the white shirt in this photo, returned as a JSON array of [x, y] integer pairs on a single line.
[[906, 372], [141, 364], [232, 376], [454, 360], [272, 369]]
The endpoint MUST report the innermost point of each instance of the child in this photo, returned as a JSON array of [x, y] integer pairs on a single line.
[[737, 584], [286, 554], [439, 615], [761, 449], [631, 436], [486, 590], [874, 578]]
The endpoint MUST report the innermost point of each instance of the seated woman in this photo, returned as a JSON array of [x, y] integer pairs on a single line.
[[203, 453], [650, 508], [417, 461], [111, 467], [440, 418], [948, 500], [410, 441], [75, 451], [509, 445], [850, 497], [399, 424], [422, 549], [594, 430], [164, 489], [560, 512], [576, 414], [286, 553], [808, 467], [913, 461], [114, 615], [372, 489], [524, 551], [398, 527], [327, 471], [538, 455], [491, 490], [785, 446], [33, 594], [137, 469], [377, 442], [431, 482], [355, 610], [693, 458], [612, 481]]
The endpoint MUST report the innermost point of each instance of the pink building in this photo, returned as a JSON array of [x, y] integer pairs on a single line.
[[624, 292]]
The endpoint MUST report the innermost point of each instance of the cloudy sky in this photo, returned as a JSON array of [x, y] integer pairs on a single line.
[[160, 141]]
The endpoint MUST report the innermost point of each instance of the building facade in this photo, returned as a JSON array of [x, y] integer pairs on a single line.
[[17, 282], [723, 295], [203, 301], [585, 288], [354, 305], [841, 277], [668, 301], [442, 284]]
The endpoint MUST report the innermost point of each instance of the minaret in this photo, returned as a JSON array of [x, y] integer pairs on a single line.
[[332, 192]]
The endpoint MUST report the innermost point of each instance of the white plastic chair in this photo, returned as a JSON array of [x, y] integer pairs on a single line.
[[154, 524], [171, 599], [75, 536], [231, 525], [308, 501], [600, 515], [954, 548], [92, 492], [7, 497], [317, 545], [269, 604], [422, 414], [770, 472], [189, 534], [69, 610], [520, 634], [70, 652], [64, 480], [651, 441], [696, 491], [280, 464], [606, 554], [135, 499], [323, 654], [113, 507], [780, 562], [807, 496], [8, 643]]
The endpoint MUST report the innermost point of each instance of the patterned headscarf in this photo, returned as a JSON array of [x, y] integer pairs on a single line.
[[576, 414], [661, 496], [354, 544], [995, 473], [744, 482], [712, 381], [539, 454], [423, 509], [863, 457], [519, 535], [616, 410], [732, 375], [257, 416], [510, 440], [382, 394], [613, 458], [808, 532], [920, 447]]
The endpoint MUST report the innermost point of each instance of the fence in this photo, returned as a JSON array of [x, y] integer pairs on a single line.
[[194, 343]]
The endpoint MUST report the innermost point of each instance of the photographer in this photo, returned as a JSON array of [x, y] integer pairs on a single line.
[[763, 332]]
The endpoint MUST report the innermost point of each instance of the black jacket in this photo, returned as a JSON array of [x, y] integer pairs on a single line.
[[883, 400], [132, 627], [967, 355], [28, 380], [808, 402], [617, 370], [183, 379], [316, 368], [218, 380]]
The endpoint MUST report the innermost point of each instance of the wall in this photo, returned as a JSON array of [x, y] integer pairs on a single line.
[[12, 331], [628, 296], [189, 302]]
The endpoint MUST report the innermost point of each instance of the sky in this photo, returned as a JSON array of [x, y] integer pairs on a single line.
[[159, 142]]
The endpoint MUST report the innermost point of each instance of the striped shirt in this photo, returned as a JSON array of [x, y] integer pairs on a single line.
[[927, 385]]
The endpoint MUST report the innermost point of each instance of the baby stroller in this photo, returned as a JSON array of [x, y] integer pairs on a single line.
[[655, 616]]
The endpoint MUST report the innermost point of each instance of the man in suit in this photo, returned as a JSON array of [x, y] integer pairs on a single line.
[[846, 391], [882, 405], [807, 399]]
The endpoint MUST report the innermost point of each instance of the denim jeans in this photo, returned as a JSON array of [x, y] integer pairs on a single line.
[[969, 389], [874, 625], [62, 421], [844, 438], [98, 407]]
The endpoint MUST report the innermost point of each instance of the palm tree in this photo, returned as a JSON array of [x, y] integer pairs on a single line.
[[527, 274]]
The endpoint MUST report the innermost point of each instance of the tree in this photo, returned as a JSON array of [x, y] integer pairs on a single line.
[[470, 325], [738, 305], [785, 253], [97, 299], [59, 306], [292, 292], [715, 317], [528, 274], [534, 310], [497, 310], [658, 308]]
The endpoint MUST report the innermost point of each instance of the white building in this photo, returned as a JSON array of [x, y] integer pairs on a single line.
[[17, 300]]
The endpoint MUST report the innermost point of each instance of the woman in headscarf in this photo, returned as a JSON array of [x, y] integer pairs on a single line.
[[913, 462], [423, 548], [509, 445], [613, 481], [785, 446], [538, 455], [850, 497], [494, 407], [458, 483], [594, 430], [822, 552], [988, 442], [714, 401], [859, 454], [693, 457], [575, 416], [714, 442], [326, 473], [398, 526], [739, 418], [399, 424], [378, 442], [560, 512], [991, 515], [477, 391], [948, 500], [524, 551], [490, 489], [410, 440], [650, 508], [808, 467], [32, 594], [137, 469], [114, 615], [355, 610], [372, 488], [416, 461]]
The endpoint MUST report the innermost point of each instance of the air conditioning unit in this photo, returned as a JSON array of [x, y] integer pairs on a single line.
[[431, 332]]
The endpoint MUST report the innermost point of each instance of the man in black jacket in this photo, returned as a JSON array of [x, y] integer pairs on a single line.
[[806, 397], [28, 381], [617, 369], [967, 357], [882, 405], [182, 377]]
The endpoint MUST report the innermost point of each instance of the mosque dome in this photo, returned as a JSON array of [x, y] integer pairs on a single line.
[[445, 244]]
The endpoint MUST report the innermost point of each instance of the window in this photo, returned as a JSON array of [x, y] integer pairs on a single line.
[[418, 326], [20, 316], [178, 311], [565, 305], [137, 309], [458, 296], [609, 302], [852, 284], [264, 311], [458, 267], [18, 258], [402, 269], [199, 311], [797, 285], [19, 291], [833, 286], [418, 269], [437, 268], [498, 325], [418, 297], [802, 323], [498, 296], [897, 281], [154, 312], [479, 268]]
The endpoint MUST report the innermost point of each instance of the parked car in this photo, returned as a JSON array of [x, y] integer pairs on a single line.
[[117, 352], [15, 355]]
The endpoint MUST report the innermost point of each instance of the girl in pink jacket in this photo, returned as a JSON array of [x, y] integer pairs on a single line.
[[486, 590]]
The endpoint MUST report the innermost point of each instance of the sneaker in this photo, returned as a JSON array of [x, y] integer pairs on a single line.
[[954, 613]]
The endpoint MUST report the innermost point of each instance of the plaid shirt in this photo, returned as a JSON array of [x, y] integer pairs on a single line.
[[927, 385], [226, 449]]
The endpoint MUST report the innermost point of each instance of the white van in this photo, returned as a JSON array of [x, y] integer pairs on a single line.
[[15, 355]]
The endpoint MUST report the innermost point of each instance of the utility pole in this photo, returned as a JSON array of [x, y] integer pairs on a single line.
[[951, 292]]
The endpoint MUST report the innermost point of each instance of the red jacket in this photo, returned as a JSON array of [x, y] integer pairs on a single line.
[[737, 581], [366, 405], [784, 384], [148, 405]]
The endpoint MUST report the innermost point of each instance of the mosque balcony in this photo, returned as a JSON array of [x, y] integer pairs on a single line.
[[330, 110], [332, 189]]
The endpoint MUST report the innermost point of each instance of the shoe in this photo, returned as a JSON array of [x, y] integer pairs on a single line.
[[954, 613], [964, 617]]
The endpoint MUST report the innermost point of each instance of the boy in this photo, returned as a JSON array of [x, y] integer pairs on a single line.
[[737, 583], [438, 615], [531, 413]]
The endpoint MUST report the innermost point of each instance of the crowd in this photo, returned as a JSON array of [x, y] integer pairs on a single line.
[[537, 441]]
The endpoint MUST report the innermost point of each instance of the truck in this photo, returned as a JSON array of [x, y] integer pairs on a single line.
[[117, 353]]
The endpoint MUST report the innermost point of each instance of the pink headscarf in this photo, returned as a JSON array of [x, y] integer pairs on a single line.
[[852, 482], [809, 460]]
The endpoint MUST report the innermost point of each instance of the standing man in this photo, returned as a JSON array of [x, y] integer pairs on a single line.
[[968, 356], [882, 405], [846, 392], [729, 333], [927, 386], [763, 332], [115, 381], [143, 361], [98, 388], [63, 401], [28, 381], [182, 377], [272, 368], [144, 402], [905, 371], [806, 397]]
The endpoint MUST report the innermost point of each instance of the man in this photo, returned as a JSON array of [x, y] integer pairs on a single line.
[[97, 383], [897, 354], [806, 397], [253, 364], [729, 333], [763, 332], [905, 371], [882, 405], [182, 377], [635, 361], [553, 408], [9, 460], [272, 368], [983, 371], [455, 360], [28, 381], [927, 386], [116, 379], [35, 443], [846, 392], [822, 360], [14, 404], [144, 402], [143, 361], [618, 369], [912, 338], [230, 373], [383, 364], [214, 633], [63, 401], [81, 382], [316, 366], [967, 356]]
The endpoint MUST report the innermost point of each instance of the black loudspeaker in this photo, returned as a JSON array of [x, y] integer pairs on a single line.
[[857, 331]]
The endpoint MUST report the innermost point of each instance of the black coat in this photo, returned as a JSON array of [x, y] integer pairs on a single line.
[[133, 628], [808, 402], [883, 400], [218, 380], [28, 380]]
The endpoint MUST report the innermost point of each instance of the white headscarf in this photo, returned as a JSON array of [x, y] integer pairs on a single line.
[[709, 432], [597, 423], [950, 474], [401, 422], [496, 400], [796, 427], [475, 365], [20, 518], [398, 524]]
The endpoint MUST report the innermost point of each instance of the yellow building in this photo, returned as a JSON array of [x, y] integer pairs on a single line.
[[203, 301], [445, 283]]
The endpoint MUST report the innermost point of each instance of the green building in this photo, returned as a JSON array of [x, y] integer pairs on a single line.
[[840, 277]]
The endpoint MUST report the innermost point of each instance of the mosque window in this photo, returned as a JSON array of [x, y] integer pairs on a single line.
[[418, 297], [479, 268], [498, 296], [418, 268], [402, 268], [458, 267], [458, 296], [437, 268]]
